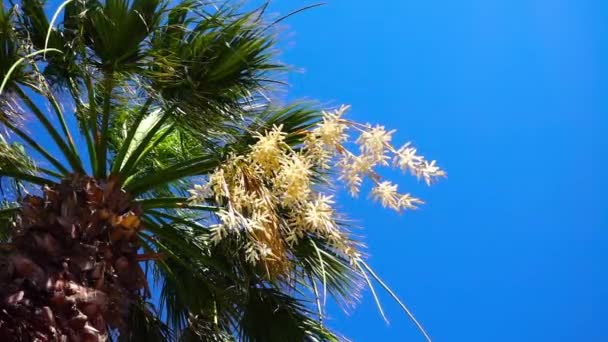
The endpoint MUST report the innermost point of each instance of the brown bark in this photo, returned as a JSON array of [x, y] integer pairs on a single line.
[[71, 270]]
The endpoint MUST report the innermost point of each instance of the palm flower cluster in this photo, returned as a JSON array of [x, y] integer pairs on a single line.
[[277, 193]]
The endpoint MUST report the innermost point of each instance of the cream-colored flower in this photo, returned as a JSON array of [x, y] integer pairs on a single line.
[[255, 251], [373, 142], [217, 183], [218, 232], [364, 164], [407, 159], [269, 148], [352, 253], [241, 198], [319, 214], [252, 252], [350, 174], [293, 180], [230, 219], [332, 129], [315, 151], [263, 250], [257, 188], [430, 171], [293, 236], [261, 217], [406, 201], [200, 193], [386, 193]]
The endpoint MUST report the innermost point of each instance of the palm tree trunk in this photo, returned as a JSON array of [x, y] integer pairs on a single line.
[[71, 270]]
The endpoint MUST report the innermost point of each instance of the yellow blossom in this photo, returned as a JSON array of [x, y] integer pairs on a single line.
[[373, 142], [406, 201], [332, 129], [293, 180], [317, 153], [406, 158], [267, 151], [429, 171], [200, 193], [386, 193], [350, 174], [319, 214]]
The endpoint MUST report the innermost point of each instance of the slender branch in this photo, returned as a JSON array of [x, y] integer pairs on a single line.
[[322, 271], [53, 19], [371, 287], [19, 61], [388, 289], [296, 12], [317, 299]]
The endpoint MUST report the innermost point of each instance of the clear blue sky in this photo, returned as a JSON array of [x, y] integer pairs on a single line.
[[510, 97]]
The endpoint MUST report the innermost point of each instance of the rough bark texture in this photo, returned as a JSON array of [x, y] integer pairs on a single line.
[[71, 269]]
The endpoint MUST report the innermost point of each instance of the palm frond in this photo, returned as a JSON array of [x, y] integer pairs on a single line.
[[203, 329], [11, 50], [116, 30], [148, 131], [36, 24], [318, 260], [294, 119], [144, 324], [270, 315], [188, 275], [18, 166], [210, 64]]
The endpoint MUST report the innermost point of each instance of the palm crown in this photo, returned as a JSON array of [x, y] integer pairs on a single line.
[[155, 117]]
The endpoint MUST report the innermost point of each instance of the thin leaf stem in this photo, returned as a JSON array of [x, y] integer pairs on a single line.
[[396, 298]]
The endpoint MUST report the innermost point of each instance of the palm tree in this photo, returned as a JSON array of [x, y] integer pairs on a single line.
[[138, 101]]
